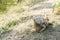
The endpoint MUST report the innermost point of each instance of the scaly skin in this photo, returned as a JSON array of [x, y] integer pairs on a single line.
[[41, 23]]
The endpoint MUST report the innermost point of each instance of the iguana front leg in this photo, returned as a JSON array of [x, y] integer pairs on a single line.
[[44, 27]]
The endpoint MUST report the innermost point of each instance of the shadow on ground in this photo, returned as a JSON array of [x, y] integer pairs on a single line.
[[51, 33], [37, 1], [43, 6]]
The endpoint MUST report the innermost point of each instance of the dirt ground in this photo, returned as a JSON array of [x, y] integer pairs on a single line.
[[22, 31]]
